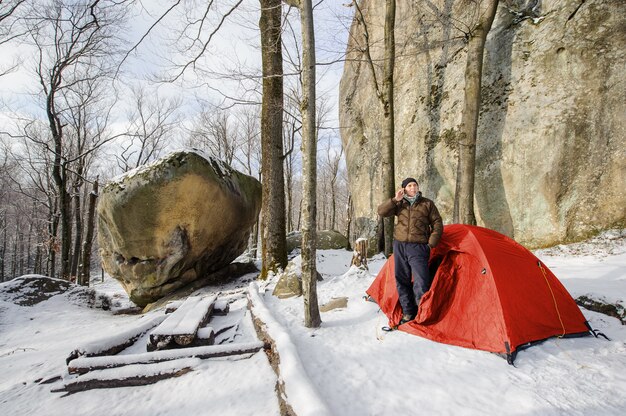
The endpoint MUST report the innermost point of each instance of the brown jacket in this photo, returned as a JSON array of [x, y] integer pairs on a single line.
[[417, 223]]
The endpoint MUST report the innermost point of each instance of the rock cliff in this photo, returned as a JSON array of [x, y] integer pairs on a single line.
[[551, 151]]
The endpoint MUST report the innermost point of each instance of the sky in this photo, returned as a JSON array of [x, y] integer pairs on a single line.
[[235, 48]]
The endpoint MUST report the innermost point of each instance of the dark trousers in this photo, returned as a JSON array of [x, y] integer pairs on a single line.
[[411, 259]]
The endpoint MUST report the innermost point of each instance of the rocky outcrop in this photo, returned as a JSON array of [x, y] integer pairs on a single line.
[[551, 152], [167, 224]]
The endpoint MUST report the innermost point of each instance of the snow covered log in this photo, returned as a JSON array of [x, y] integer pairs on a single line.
[[84, 365], [297, 394], [221, 307], [132, 375], [180, 327], [120, 341]]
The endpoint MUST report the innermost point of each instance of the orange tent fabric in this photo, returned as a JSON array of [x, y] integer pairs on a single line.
[[489, 293]]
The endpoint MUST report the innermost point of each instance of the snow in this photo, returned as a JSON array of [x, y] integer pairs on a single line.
[[219, 167], [301, 394], [348, 366]]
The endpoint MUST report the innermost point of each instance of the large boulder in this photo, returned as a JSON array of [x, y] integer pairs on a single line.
[[551, 143], [326, 240], [167, 224]]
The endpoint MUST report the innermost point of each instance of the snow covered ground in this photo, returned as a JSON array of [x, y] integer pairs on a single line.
[[355, 368]]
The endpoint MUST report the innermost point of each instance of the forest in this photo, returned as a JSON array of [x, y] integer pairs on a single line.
[[95, 89], [87, 110]]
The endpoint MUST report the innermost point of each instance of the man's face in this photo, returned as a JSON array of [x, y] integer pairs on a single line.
[[411, 189]]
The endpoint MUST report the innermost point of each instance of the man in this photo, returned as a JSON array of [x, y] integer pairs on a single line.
[[418, 229]]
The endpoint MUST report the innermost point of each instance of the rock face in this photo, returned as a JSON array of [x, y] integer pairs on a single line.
[[169, 223], [551, 151]]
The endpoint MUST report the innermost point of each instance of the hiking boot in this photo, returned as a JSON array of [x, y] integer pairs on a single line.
[[406, 318]]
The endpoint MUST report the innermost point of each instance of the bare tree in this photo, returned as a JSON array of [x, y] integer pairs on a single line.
[[466, 168], [87, 118], [10, 28], [312, 318], [153, 121], [384, 92], [331, 164], [249, 154], [85, 264], [291, 138], [273, 250], [215, 132], [75, 42]]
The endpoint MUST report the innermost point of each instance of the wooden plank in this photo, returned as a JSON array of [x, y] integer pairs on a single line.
[[86, 364], [181, 326], [134, 376], [221, 307]]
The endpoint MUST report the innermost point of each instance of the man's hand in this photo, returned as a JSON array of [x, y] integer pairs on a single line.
[[399, 195]]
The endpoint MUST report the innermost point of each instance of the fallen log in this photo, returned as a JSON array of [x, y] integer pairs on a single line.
[[120, 341], [180, 327], [204, 337], [84, 365], [138, 375]]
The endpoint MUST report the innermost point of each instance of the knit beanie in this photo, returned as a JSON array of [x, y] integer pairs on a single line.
[[407, 181]]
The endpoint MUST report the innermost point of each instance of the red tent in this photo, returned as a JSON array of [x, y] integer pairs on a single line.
[[488, 293]]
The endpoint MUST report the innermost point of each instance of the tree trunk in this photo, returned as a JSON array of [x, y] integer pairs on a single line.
[[466, 168], [29, 260], [59, 175], [333, 203], [53, 226], [78, 235], [21, 253], [3, 249], [348, 221], [38, 260], [85, 266], [388, 167], [14, 256], [312, 317], [274, 248]]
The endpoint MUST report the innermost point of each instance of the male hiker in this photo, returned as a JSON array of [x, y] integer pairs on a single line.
[[418, 229]]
